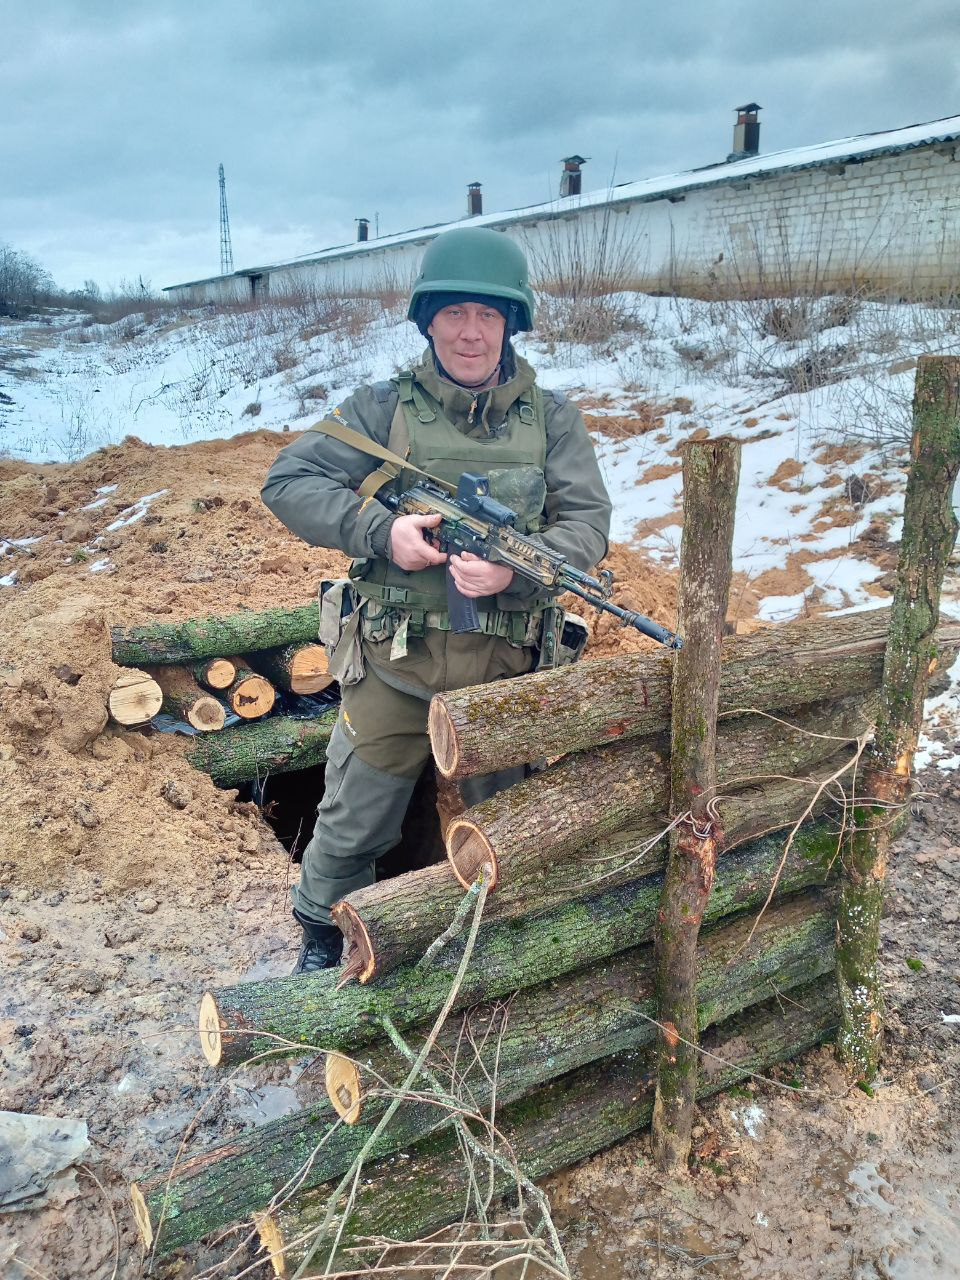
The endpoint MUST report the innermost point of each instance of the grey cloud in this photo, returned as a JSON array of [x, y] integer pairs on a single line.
[[325, 111]]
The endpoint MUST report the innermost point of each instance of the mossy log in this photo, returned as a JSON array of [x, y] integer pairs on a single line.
[[134, 699], [214, 673], [251, 695], [283, 1014], [913, 652], [261, 747], [450, 802], [589, 795], [711, 472], [184, 699], [559, 1025], [193, 638], [411, 1194], [298, 668], [588, 704], [393, 923], [549, 1030]]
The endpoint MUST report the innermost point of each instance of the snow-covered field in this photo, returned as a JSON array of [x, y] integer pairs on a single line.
[[818, 412], [818, 391]]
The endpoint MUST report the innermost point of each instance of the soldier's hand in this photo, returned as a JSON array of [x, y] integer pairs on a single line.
[[409, 548], [475, 577]]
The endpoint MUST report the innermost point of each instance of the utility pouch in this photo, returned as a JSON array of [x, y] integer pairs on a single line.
[[340, 631], [336, 605], [380, 622], [563, 637], [574, 635]]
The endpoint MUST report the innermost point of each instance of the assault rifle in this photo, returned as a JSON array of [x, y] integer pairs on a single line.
[[473, 521]]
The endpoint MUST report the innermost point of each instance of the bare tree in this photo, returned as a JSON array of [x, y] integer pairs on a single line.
[[24, 282]]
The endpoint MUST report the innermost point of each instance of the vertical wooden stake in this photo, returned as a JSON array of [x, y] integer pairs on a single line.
[[711, 469], [929, 531]]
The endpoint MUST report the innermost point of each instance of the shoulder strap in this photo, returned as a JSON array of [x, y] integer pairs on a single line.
[[414, 398], [394, 464]]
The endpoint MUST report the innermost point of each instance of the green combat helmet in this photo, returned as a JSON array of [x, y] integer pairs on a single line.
[[478, 261]]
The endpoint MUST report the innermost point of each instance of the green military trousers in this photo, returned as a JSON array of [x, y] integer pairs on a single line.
[[376, 753]]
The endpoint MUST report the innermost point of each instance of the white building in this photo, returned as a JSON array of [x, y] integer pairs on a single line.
[[880, 211]]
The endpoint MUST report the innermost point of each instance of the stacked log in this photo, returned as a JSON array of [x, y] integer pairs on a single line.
[[250, 696], [299, 668], [409, 1195], [385, 924], [551, 1028], [590, 704], [214, 673], [196, 638], [203, 669], [291, 1014], [185, 700], [569, 871], [134, 699], [556, 1026], [276, 744]]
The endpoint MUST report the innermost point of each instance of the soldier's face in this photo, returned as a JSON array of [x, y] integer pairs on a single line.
[[468, 338]]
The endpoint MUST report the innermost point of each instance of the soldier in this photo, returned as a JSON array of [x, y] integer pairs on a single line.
[[469, 404]]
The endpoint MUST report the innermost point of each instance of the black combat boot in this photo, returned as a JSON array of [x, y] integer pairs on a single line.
[[321, 948]]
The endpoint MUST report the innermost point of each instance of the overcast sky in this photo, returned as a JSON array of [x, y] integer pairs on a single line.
[[116, 115]]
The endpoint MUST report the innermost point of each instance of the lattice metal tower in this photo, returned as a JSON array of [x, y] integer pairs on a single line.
[[226, 249]]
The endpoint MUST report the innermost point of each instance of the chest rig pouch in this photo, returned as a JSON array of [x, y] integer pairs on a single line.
[[340, 630], [563, 638]]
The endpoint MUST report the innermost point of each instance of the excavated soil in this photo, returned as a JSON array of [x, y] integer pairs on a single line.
[[129, 884]]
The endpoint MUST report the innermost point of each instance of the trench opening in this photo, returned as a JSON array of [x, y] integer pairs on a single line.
[[288, 802]]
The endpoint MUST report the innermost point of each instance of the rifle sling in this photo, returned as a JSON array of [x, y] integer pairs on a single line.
[[393, 463]]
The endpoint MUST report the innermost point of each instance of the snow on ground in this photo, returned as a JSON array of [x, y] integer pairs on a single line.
[[818, 392]]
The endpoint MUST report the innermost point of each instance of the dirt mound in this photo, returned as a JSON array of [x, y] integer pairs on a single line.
[[638, 585], [128, 534], [80, 794]]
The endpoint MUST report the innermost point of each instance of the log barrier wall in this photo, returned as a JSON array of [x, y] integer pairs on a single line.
[[543, 992]]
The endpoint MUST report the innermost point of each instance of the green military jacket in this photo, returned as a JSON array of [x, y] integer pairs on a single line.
[[312, 485]]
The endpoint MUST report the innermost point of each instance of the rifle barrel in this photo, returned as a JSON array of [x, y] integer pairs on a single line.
[[629, 618]]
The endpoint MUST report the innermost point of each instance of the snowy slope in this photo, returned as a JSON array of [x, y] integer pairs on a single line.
[[817, 391], [817, 413]]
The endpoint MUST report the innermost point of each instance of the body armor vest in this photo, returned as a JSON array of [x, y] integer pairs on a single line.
[[421, 433]]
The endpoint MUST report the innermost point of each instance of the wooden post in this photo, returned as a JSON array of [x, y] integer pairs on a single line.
[[711, 470], [929, 531]]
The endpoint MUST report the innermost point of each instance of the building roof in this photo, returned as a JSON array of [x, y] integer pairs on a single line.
[[855, 150]]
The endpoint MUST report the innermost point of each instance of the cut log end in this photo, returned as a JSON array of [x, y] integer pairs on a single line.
[[359, 959], [207, 715], [470, 852], [220, 673], [135, 698], [252, 697], [344, 1088], [308, 670], [211, 1040], [443, 739], [271, 1242], [142, 1215]]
